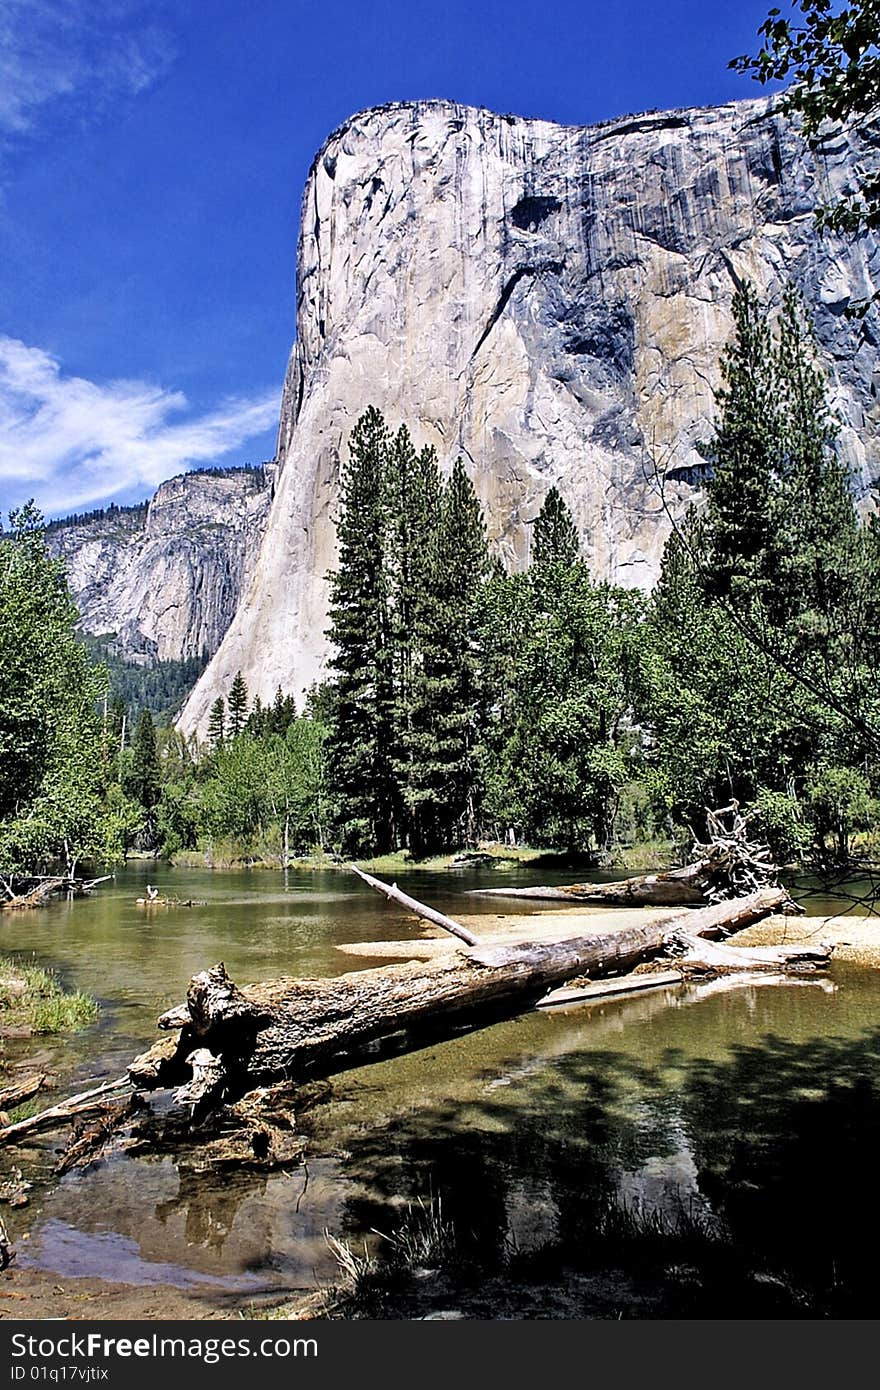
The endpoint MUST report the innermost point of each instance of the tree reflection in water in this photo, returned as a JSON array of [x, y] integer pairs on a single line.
[[777, 1144]]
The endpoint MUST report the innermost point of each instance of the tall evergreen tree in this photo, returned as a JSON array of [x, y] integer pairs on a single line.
[[237, 705], [145, 779], [54, 795], [362, 743], [256, 720], [744, 455], [554, 539], [217, 722], [413, 496], [762, 605], [444, 772]]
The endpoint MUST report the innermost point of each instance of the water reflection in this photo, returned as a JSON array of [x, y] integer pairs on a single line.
[[755, 1112]]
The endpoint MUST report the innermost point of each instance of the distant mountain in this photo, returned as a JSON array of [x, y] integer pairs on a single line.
[[160, 582], [550, 302]]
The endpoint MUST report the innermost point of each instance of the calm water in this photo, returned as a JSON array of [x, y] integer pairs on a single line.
[[756, 1110]]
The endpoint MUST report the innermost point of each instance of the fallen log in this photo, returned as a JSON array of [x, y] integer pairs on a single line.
[[11, 1096], [609, 989], [728, 866], [43, 887], [68, 1109], [36, 896], [718, 958], [667, 888], [672, 888], [233, 1040]]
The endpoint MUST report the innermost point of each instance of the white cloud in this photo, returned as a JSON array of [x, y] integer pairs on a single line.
[[70, 59], [72, 443]]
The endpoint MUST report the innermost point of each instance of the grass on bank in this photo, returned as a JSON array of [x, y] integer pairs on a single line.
[[32, 999], [626, 1263], [230, 854]]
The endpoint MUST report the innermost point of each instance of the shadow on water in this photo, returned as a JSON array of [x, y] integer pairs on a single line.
[[656, 1156], [766, 1206]]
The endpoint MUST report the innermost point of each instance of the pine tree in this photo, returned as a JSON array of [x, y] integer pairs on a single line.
[[237, 705], [554, 539], [767, 590], [443, 782], [744, 455], [256, 720], [145, 776], [413, 496], [217, 722], [362, 743], [816, 534], [275, 714]]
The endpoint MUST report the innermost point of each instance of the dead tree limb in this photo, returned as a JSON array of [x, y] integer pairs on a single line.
[[11, 1096], [233, 1040], [672, 888], [430, 914], [64, 1110]]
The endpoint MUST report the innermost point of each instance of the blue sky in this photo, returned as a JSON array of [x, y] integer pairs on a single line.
[[152, 158]]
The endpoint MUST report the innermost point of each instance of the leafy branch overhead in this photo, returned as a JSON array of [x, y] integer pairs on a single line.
[[832, 59]]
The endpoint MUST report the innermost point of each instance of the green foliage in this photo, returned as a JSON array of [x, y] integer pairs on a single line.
[[440, 773], [34, 998], [217, 722], [161, 687], [764, 633], [555, 539], [841, 802], [364, 738], [53, 784], [237, 703], [143, 781], [562, 656], [833, 61], [270, 789]]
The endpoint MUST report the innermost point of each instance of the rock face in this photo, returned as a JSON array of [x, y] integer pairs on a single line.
[[549, 302], [166, 579]]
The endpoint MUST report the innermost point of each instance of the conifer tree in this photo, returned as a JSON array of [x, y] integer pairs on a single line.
[[443, 784], [237, 705], [767, 590], [554, 539], [217, 722], [362, 743], [744, 455], [816, 533], [145, 776], [256, 720], [413, 495]]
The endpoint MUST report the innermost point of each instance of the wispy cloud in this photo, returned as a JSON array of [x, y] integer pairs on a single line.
[[63, 60], [70, 442]]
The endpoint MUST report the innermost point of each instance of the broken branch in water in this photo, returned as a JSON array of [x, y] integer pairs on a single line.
[[64, 1110], [430, 914]]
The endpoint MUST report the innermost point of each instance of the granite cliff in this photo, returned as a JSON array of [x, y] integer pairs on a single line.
[[550, 302], [164, 580]]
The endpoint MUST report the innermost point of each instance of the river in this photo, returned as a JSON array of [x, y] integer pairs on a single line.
[[755, 1110]]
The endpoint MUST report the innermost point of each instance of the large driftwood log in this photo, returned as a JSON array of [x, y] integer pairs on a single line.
[[40, 888], [706, 880], [232, 1040], [675, 888], [729, 865]]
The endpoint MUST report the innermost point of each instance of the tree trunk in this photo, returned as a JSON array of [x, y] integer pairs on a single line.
[[233, 1040], [674, 888]]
